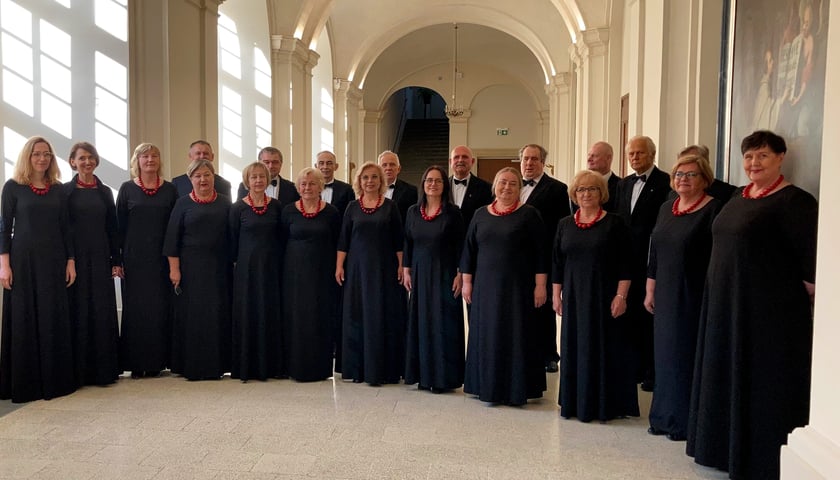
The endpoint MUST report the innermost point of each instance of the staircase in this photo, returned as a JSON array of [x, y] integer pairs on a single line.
[[425, 142]]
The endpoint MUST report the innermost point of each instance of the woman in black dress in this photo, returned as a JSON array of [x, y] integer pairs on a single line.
[[504, 279], [371, 242], [596, 375], [197, 248], [254, 224], [93, 302], [753, 367], [36, 267], [679, 257], [434, 238], [310, 230], [143, 207]]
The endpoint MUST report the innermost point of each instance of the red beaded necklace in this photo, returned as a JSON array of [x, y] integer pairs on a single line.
[[763, 193], [369, 210], [304, 212], [39, 190], [82, 184], [502, 213], [258, 210], [584, 226], [203, 202], [431, 217], [675, 209], [149, 191]]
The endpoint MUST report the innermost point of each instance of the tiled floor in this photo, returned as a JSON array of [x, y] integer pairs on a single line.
[[168, 428]]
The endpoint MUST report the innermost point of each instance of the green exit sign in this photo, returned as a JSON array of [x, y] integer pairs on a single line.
[[502, 131]]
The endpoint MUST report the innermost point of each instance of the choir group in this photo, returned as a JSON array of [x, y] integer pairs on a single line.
[[697, 290]]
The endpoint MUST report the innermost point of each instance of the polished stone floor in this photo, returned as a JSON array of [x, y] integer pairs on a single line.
[[168, 428]]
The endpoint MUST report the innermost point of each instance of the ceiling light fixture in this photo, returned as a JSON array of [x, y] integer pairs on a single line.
[[453, 109]]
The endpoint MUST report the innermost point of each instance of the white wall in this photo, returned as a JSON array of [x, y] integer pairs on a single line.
[[502, 106]]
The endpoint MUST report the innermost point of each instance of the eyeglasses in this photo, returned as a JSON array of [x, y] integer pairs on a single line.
[[686, 174], [587, 189], [434, 181], [46, 155]]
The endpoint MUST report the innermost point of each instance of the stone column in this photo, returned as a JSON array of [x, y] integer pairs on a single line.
[[173, 77], [561, 133], [291, 101], [592, 90], [346, 125]]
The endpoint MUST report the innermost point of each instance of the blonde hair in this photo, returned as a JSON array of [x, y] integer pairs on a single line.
[[23, 167], [319, 177], [357, 179], [143, 148], [250, 168], [599, 181], [508, 170], [702, 164], [196, 164]]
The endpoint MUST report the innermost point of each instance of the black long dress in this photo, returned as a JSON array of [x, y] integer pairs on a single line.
[[146, 327], [256, 317], [373, 343], [93, 300], [36, 357], [596, 360], [504, 362], [201, 330], [679, 257], [752, 374], [435, 337], [310, 292]]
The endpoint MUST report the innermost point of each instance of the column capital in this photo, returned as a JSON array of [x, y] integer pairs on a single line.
[[292, 50], [594, 42], [559, 83]]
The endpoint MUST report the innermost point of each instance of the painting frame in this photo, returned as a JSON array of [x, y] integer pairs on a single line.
[[773, 71]]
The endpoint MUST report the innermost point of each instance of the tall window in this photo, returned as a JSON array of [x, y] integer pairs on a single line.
[[64, 76]]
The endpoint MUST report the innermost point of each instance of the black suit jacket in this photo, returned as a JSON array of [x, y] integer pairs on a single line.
[[288, 192], [342, 196], [405, 195], [479, 194], [643, 218], [611, 205], [551, 198], [184, 186]]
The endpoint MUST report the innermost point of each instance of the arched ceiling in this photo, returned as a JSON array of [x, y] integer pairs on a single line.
[[361, 30], [433, 46]]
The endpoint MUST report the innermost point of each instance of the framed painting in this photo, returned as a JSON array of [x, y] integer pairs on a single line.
[[776, 81]]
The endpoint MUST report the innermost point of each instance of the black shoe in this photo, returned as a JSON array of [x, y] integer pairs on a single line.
[[655, 431], [357, 380], [647, 385], [151, 373], [136, 374], [437, 391], [675, 437], [422, 387], [551, 366]]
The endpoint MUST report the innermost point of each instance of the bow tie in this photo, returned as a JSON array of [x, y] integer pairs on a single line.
[[274, 183], [392, 186], [460, 182], [328, 185], [639, 177], [529, 183]]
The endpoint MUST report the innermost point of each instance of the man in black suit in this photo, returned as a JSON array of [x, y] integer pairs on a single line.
[[551, 198], [336, 192], [718, 189], [402, 193], [469, 192], [201, 150], [279, 188], [599, 159], [639, 197]]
